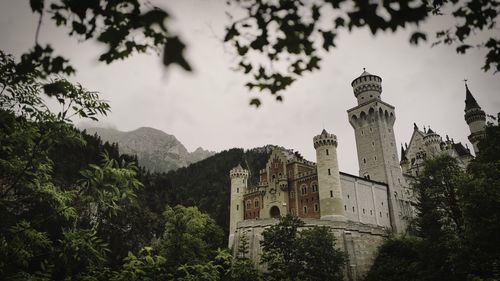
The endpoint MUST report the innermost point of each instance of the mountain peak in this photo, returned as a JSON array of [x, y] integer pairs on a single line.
[[156, 150]]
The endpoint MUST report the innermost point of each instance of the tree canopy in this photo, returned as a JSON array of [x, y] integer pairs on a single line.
[[291, 253], [457, 222]]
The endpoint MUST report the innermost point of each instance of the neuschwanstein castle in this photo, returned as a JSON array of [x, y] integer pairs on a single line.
[[358, 209]]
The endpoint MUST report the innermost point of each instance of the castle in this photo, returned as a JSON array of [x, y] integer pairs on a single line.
[[358, 209]]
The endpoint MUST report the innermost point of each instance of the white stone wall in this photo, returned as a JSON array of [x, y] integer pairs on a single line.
[[358, 195]]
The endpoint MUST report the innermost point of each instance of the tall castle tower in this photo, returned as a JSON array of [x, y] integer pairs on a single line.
[[239, 179], [373, 120], [330, 192], [475, 118]]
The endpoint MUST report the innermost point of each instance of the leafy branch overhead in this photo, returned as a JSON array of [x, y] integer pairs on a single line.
[[288, 36], [276, 42], [125, 27]]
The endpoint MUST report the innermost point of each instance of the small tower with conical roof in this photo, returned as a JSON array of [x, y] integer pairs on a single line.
[[433, 142], [239, 179], [475, 118], [329, 189]]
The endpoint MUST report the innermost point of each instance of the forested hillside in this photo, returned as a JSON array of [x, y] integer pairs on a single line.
[[205, 184]]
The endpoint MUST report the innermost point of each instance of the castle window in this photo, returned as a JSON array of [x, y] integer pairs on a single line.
[[345, 208], [371, 213], [292, 194], [331, 193], [329, 172], [373, 143], [256, 203], [303, 190], [399, 180], [375, 158], [353, 209], [362, 132], [316, 208], [371, 129], [327, 152], [305, 209], [249, 204], [237, 207], [382, 203], [364, 160], [363, 211], [380, 214], [347, 196], [238, 190], [314, 187]]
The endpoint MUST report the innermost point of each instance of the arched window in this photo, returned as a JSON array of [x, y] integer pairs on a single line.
[[314, 187], [256, 203], [303, 189], [305, 209]]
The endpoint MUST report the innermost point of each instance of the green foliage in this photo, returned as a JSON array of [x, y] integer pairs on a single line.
[[190, 237], [204, 184], [43, 234], [146, 266], [309, 254], [290, 36], [398, 259], [125, 27], [481, 207], [243, 268], [457, 223]]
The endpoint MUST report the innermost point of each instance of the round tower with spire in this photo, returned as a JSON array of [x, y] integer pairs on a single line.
[[329, 189], [475, 118], [239, 181]]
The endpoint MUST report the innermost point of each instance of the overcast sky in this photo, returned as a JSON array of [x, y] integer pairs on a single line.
[[209, 108]]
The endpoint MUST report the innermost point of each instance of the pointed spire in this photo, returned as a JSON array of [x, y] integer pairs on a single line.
[[415, 126], [403, 153], [430, 131], [470, 101], [324, 132]]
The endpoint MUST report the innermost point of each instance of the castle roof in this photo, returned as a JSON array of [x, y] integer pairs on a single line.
[[365, 73], [470, 101], [460, 149]]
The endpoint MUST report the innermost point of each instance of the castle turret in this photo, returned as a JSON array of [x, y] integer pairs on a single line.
[[330, 192], [367, 87], [239, 178], [433, 142], [373, 121], [475, 118]]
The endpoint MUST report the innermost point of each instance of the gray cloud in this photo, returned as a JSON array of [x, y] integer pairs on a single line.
[[209, 107]]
